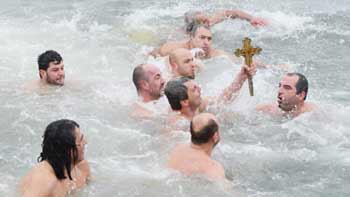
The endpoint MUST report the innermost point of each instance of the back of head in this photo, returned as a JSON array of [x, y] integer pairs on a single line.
[[176, 92], [45, 58], [302, 83], [203, 127], [138, 75], [190, 20], [59, 148]]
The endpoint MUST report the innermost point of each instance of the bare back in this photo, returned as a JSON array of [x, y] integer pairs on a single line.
[[41, 180], [168, 47], [191, 161]]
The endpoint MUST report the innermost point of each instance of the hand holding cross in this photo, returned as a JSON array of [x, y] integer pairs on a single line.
[[248, 52]]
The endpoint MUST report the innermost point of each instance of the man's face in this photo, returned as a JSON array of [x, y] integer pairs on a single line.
[[287, 97], [155, 83], [54, 74], [80, 143], [194, 94], [202, 39], [185, 65]]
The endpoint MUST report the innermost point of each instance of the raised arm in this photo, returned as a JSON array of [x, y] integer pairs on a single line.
[[235, 86], [221, 15]]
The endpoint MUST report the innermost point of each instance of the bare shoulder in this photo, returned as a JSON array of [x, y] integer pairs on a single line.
[[40, 181], [84, 167], [140, 112], [215, 170], [168, 47], [308, 107], [266, 108]]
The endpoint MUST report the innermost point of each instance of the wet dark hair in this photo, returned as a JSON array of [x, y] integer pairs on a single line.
[[302, 83], [176, 92], [196, 26], [205, 134], [47, 57], [59, 148], [190, 20], [138, 75]]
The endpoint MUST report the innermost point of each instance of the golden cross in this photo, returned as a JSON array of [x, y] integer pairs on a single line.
[[248, 52]]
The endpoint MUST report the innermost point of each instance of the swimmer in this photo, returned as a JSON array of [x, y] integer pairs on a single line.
[[182, 63], [195, 158], [149, 85], [195, 17], [200, 38], [62, 167], [51, 68], [291, 97], [184, 96]]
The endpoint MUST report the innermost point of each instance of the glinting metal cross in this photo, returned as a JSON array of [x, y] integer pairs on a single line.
[[248, 52]]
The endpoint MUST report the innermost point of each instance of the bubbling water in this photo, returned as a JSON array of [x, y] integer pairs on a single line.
[[102, 41]]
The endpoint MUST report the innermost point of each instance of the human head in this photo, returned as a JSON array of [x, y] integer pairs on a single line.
[[292, 91], [62, 147], [193, 18], [201, 37], [148, 80], [51, 68], [182, 63], [204, 129], [183, 92]]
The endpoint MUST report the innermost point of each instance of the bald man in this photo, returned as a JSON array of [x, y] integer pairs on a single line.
[[195, 158], [182, 63], [149, 85]]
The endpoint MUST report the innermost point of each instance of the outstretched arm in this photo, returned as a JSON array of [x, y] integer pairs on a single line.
[[221, 15], [235, 86]]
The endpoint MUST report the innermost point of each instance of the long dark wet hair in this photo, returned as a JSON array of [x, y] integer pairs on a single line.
[[59, 148]]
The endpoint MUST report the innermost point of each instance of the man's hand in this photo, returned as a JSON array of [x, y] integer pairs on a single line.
[[247, 71], [258, 22], [203, 19]]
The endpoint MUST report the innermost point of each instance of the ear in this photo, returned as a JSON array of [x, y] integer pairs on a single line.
[[301, 95], [185, 103], [173, 66], [143, 84], [42, 74], [216, 137]]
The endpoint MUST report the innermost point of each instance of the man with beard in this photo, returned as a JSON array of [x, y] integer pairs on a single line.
[[51, 68], [195, 158], [182, 63], [292, 93], [149, 85], [62, 167]]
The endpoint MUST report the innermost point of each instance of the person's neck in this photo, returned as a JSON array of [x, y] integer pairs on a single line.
[[206, 148], [144, 97], [189, 45], [188, 112]]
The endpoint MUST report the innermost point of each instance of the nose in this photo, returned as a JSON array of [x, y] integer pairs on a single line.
[[206, 42], [193, 65], [61, 72]]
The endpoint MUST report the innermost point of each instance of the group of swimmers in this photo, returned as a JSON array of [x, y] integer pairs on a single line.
[[62, 167]]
